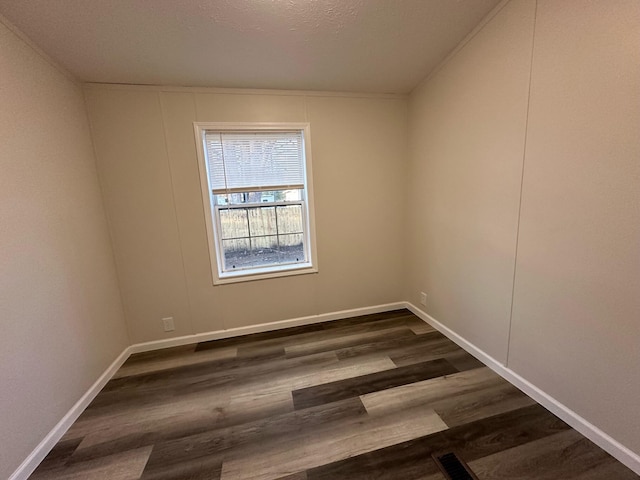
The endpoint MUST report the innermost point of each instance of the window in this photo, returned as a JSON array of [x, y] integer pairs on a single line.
[[257, 194]]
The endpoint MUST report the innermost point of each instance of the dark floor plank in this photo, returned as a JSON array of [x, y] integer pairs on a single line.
[[224, 410], [412, 460], [258, 337], [204, 469], [261, 353], [256, 397], [368, 321], [143, 389], [566, 455], [295, 476], [423, 351], [353, 387], [127, 465], [162, 353], [173, 361], [348, 341], [399, 314], [181, 374], [213, 444], [59, 455], [463, 361], [332, 442], [144, 437], [397, 346]]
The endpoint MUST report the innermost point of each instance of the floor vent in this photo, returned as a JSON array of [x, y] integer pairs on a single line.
[[453, 467]]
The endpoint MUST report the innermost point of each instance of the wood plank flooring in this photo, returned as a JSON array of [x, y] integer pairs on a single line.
[[364, 398]]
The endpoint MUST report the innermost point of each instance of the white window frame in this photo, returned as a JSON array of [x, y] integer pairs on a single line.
[[220, 277]]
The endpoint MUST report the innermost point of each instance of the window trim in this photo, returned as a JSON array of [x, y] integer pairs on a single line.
[[215, 259]]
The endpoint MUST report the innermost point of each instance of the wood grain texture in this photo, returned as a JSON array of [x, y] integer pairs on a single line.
[[330, 443], [565, 455], [181, 356], [411, 460], [212, 444], [442, 389], [358, 399], [353, 387], [126, 465]]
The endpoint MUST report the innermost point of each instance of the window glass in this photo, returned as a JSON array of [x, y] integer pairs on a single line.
[[234, 223], [257, 190], [262, 221], [267, 196], [289, 219]]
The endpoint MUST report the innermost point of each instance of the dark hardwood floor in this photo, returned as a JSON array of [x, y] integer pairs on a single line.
[[363, 398]]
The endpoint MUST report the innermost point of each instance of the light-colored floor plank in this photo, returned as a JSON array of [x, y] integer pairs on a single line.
[[429, 391], [254, 406], [212, 446], [295, 476], [418, 326], [291, 405], [198, 419], [316, 376], [342, 341], [314, 448], [158, 364], [118, 422], [247, 399], [471, 406], [481, 396], [423, 353]]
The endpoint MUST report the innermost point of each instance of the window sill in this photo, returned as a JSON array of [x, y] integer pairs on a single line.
[[275, 272]]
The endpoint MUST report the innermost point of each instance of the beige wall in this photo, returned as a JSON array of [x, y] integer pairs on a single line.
[[149, 172], [576, 315], [575, 327], [467, 129], [61, 315], [514, 206]]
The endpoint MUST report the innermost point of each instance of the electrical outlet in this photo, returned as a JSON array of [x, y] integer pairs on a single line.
[[423, 298], [168, 325]]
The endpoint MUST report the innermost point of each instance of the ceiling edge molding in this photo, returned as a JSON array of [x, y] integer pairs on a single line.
[[241, 91]]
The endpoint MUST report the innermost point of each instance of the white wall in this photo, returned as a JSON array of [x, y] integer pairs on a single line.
[[148, 168], [574, 329], [61, 315]]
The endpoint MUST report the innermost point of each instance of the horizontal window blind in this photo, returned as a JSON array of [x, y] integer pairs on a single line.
[[254, 160]]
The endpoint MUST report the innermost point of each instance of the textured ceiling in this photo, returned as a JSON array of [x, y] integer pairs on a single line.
[[342, 45]]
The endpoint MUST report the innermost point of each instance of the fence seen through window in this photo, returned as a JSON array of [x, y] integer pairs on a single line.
[[261, 228]]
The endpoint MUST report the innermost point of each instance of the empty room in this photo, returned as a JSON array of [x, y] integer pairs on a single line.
[[320, 239]]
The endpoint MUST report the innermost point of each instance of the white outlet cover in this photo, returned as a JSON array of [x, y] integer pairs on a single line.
[[168, 324], [423, 298]]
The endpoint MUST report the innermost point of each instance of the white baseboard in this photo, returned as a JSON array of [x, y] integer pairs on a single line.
[[613, 447], [44, 447], [27, 467], [593, 433], [263, 327]]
